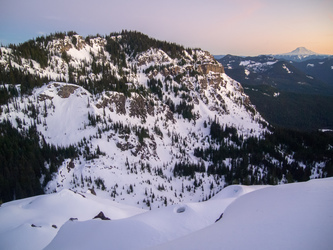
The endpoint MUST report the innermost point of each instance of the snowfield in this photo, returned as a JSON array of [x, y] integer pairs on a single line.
[[32, 223], [290, 216], [256, 67]]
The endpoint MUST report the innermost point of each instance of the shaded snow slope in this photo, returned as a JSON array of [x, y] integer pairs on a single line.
[[33, 222], [291, 216], [147, 229]]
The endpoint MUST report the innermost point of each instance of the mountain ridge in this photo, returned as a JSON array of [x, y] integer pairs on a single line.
[[138, 121], [121, 124], [128, 108], [299, 54]]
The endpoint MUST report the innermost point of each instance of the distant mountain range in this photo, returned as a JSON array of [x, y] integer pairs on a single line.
[[311, 63], [298, 55], [301, 82]]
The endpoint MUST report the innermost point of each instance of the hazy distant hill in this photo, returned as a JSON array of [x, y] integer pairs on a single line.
[[321, 69], [218, 57]]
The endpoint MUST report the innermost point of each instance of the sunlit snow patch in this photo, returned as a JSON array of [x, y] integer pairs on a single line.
[[286, 68]]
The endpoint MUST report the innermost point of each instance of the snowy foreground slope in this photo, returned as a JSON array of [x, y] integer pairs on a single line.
[[291, 216]]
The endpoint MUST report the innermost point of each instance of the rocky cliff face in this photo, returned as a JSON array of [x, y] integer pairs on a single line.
[[215, 68]]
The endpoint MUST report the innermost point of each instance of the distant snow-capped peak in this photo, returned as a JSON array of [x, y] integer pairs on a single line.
[[300, 54], [301, 51]]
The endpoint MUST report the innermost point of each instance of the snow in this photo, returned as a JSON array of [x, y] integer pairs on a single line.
[[56, 209], [300, 51], [64, 121], [245, 63], [300, 54], [253, 66], [271, 63], [286, 68], [45, 211], [290, 216], [66, 124], [83, 54], [35, 222], [326, 130]]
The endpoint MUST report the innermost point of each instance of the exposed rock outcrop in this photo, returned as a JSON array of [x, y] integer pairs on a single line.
[[101, 216], [119, 101], [205, 68], [138, 107], [66, 90]]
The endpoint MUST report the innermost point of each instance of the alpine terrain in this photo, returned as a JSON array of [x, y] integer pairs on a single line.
[[124, 123]]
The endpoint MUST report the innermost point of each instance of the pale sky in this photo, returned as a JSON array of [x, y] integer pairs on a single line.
[[239, 27]]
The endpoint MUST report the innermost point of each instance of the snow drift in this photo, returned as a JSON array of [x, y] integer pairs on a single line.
[[291, 216]]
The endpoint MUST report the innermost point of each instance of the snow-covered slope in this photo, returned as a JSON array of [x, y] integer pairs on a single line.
[[139, 119], [291, 216], [32, 223], [129, 170], [150, 228], [155, 126]]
